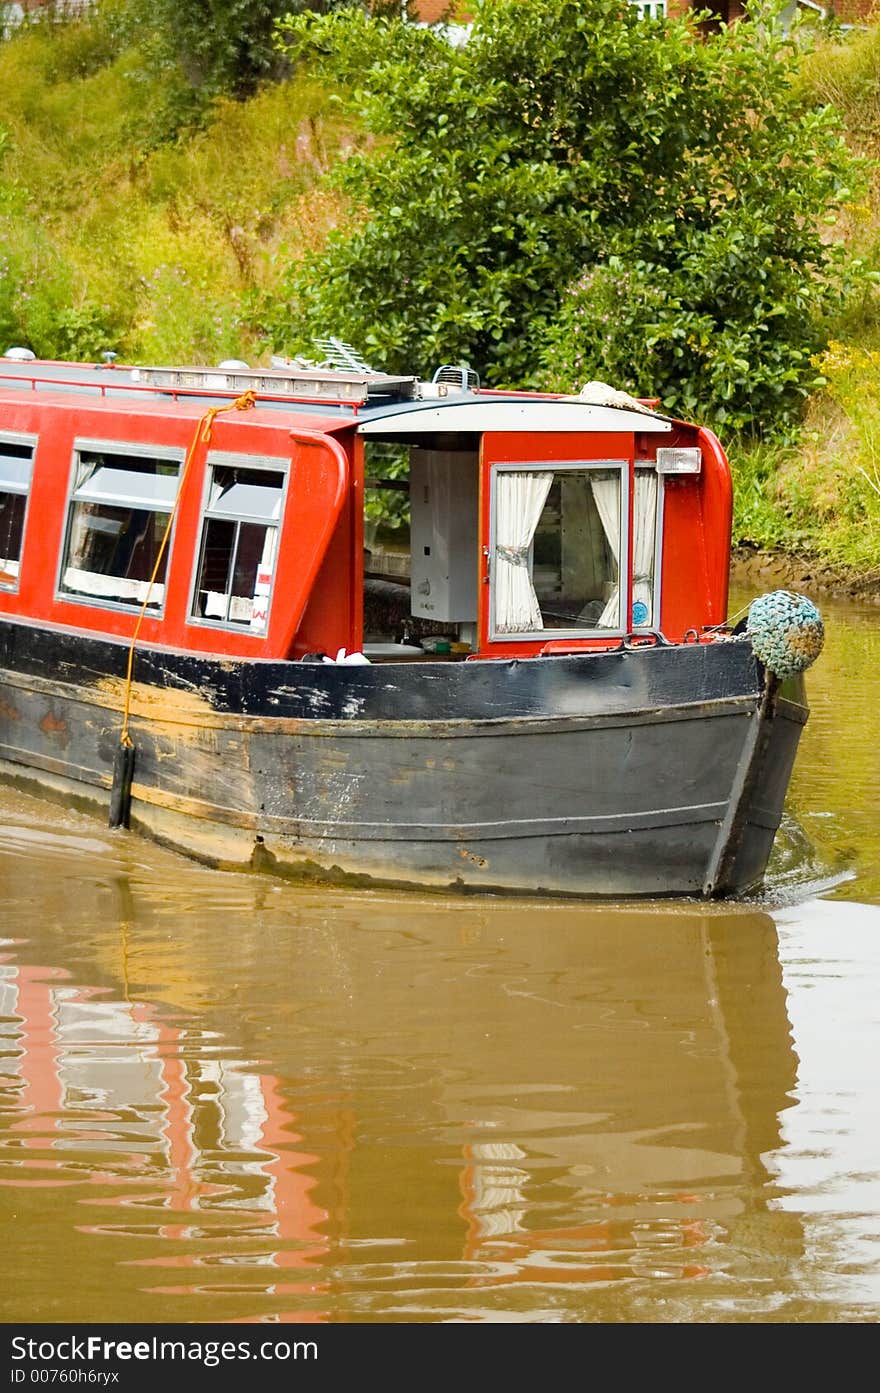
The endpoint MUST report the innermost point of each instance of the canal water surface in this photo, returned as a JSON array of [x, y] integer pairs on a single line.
[[229, 1099]]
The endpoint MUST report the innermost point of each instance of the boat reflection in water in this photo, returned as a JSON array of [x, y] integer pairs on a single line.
[[230, 1101]]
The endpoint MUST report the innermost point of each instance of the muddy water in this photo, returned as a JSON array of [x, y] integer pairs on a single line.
[[226, 1099]]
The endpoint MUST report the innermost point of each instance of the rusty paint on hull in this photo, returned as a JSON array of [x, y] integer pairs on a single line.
[[620, 805]]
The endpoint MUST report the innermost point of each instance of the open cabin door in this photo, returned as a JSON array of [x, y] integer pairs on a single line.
[[421, 545]]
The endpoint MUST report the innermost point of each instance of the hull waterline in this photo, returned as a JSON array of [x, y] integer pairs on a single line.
[[646, 772]]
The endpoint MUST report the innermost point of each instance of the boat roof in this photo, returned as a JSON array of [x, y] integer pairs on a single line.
[[474, 413], [380, 404]]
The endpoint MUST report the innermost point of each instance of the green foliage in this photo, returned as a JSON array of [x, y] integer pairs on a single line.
[[66, 45], [85, 332], [203, 50], [759, 516], [842, 72], [154, 250], [832, 486], [223, 46], [822, 496], [385, 510], [728, 333], [578, 192]]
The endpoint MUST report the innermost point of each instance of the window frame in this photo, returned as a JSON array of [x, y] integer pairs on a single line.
[[649, 466], [622, 467], [23, 438], [227, 459], [128, 449]]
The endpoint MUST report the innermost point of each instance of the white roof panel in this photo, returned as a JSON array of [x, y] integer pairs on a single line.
[[492, 414]]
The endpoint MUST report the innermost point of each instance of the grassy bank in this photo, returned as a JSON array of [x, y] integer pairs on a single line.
[[820, 497], [115, 236]]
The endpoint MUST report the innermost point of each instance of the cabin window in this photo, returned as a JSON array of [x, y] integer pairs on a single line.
[[238, 545], [558, 548], [121, 505], [16, 463]]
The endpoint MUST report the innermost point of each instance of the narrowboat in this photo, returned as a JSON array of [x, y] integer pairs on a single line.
[[536, 691]]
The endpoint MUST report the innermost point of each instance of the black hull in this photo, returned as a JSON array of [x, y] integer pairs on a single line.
[[646, 772]]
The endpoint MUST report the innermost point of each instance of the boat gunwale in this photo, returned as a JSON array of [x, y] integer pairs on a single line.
[[332, 727]]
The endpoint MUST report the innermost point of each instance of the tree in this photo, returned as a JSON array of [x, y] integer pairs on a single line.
[[578, 175], [221, 47], [204, 49]]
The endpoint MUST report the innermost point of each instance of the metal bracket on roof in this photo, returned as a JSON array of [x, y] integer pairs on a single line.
[[338, 354]]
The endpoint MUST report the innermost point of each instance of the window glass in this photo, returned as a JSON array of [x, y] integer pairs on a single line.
[[242, 499], [118, 517], [16, 462], [136, 486], [557, 550], [239, 538]]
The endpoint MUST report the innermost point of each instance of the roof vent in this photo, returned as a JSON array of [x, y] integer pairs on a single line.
[[20, 355], [457, 375]]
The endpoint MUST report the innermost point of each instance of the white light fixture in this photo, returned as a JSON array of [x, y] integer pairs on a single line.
[[673, 459]]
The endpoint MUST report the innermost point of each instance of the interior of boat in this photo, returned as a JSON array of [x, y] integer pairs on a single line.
[[555, 547]]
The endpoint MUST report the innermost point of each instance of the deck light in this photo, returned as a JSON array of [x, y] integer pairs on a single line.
[[673, 459]]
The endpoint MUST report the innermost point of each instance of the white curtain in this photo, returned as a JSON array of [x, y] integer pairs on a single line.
[[519, 499], [644, 538], [606, 492]]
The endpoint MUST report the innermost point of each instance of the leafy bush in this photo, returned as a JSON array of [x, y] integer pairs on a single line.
[[677, 185], [728, 333]]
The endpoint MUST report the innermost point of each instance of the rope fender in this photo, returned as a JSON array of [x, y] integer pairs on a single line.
[[786, 632]]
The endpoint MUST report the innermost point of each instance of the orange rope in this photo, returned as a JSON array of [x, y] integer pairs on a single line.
[[202, 437]]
